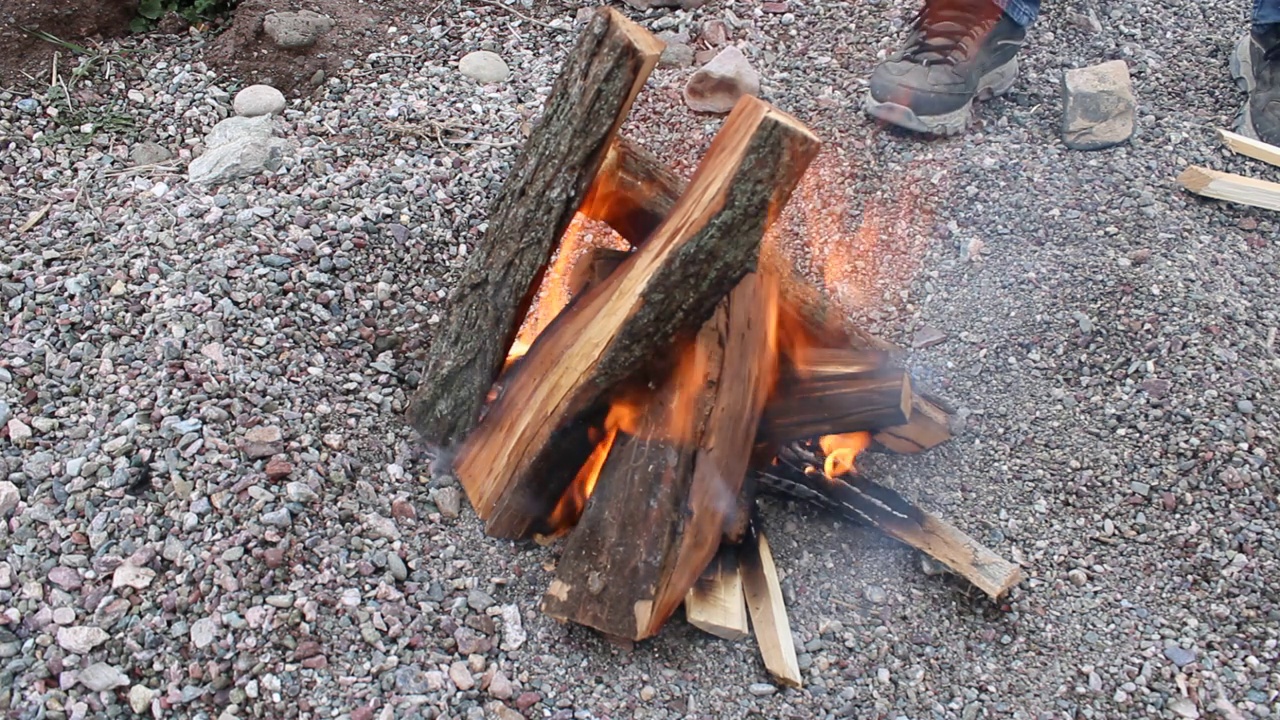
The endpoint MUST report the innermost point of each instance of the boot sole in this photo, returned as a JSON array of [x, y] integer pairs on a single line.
[[995, 83], [1241, 64]]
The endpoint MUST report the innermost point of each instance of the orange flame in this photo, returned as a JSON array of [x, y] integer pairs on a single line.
[[841, 451], [624, 416]]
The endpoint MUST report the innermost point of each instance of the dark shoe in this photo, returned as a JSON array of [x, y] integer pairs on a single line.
[[957, 50], [1256, 68]]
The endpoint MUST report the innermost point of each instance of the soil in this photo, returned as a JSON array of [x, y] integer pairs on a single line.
[[244, 50], [25, 57]]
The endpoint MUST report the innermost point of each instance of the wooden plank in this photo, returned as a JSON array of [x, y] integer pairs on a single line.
[[763, 591], [716, 603], [829, 392], [1233, 188], [549, 180], [614, 333], [1250, 147]]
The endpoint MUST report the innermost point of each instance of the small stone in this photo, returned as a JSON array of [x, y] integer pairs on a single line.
[[39, 465], [1140, 256], [480, 601], [258, 100], [9, 497], [484, 66], [1244, 407], [64, 616], [500, 686], [279, 518], [1183, 708], [263, 441], [296, 29], [65, 578], [513, 634], [81, 639], [19, 432], [500, 711], [132, 576], [101, 676], [411, 680], [1179, 656], [1156, 387], [647, 693], [278, 468], [460, 674], [30, 106], [1099, 106], [273, 557], [397, 567], [717, 86], [927, 337], [203, 632], [761, 689], [1078, 577], [448, 500], [676, 54], [300, 492], [140, 697], [402, 510], [149, 153], [875, 595], [1140, 488], [527, 700], [380, 526]]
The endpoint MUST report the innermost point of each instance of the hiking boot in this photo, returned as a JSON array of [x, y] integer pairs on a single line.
[[957, 50], [1256, 67]]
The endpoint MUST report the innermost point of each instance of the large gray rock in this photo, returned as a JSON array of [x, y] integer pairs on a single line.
[[1098, 106], [238, 147], [296, 29], [484, 66], [717, 86]]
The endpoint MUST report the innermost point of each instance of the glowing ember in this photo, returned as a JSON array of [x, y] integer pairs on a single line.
[[841, 451]]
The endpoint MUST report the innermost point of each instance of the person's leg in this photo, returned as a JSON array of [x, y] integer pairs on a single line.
[[1256, 66], [956, 51]]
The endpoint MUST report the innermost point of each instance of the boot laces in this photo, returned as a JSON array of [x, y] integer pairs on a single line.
[[945, 31]]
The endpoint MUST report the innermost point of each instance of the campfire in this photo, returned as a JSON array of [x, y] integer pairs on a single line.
[[629, 362]]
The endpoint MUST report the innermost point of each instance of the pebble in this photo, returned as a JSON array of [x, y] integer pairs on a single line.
[[140, 697], [100, 676], [513, 633], [1098, 106], [397, 567], [9, 497], [448, 500], [460, 674], [484, 66], [263, 441], [875, 595], [280, 518], [761, 689], [131, 576], [500, 687], [203, 632], [1077, 577], [65, 578], [717, 86], [1179, 656], [258, 100], [300, 492], [81, 639]]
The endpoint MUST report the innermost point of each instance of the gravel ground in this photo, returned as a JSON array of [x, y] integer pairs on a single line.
[[219, 514]]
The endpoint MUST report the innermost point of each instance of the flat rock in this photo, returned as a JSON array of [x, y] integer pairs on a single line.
[[258, 100], [65, 578], [101, 676], [262, 441], [149, 153], [238, 160], [81, 639], [1098, 106], [484, 66], [203, 632], [278, 468], [717, 86], [1179, 656], [132, 576], [9, 497], [296, 29]]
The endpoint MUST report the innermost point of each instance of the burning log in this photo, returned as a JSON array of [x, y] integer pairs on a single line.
[[831, 392], [865, 501], [550, 179], [613, 333], [716, 604], [662, 499], [645, 190], [768, 610]]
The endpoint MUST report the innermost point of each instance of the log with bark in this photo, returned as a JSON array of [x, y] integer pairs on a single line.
[[641, 189], [548, 182], [612, 335], [828, 392]]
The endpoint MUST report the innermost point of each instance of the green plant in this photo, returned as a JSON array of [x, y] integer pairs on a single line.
[[150, 11]]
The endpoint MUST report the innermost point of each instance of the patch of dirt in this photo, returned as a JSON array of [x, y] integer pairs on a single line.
[[24, 58], [244, 50]]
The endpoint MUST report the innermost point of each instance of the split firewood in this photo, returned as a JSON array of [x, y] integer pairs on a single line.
[[659, 506], [1234, 188], [638, 179], [828, 392], [549, 180], [716, 604], [768, 611], [1256, 149], [592, 268], [862, 500], [615, 332]]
